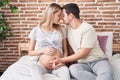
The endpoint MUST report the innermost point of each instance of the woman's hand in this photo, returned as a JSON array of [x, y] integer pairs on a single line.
[[44, 60], [49, 50], [46, 50]]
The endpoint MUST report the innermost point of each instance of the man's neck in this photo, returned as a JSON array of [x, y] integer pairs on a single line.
[[75, 23]]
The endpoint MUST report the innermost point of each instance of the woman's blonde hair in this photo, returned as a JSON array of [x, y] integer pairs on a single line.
[[48, 15]]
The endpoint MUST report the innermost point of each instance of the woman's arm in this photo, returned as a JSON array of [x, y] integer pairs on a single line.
[[33, 52], [46, 50], [65, 54]]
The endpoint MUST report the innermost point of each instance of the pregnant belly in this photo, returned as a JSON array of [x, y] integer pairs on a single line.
[[45, 60]]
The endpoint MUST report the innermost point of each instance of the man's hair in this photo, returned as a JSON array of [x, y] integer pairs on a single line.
[[72, 8]]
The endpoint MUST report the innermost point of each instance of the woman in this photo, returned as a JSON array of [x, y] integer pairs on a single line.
[[47, 41]]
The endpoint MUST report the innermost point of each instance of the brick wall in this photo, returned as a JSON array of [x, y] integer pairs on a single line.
[[104, 15]]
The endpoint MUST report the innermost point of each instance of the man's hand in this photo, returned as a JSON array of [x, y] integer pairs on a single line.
[[56, 63], [56, 66]]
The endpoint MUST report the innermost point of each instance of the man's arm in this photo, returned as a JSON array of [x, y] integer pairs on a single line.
[[83, 53]]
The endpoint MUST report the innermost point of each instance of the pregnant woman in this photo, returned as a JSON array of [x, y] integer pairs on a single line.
[[47, 41]]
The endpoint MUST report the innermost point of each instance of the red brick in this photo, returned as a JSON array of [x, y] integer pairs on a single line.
[[34, 11], [105, 16], [108, 8], [93, 19], [112, 4], [29, 8], [111, 12], [19, 5], [28, 1], [36, 4], [88, 8], [106, 23], [115, 27], [106, 0], [91, 12], [16, 19], [28, 15], [87, 16], [93, 4], [13, 0], [66, 0], [46, 0], [112, 19], [86, 0]]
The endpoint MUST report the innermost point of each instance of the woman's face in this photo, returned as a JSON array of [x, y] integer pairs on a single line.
[[57, 17]]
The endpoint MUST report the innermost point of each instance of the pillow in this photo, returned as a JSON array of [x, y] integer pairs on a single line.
[[115, 63], [102, 42], [109, 42]]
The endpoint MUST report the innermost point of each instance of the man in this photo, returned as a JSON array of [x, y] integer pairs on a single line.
[[91, 61]]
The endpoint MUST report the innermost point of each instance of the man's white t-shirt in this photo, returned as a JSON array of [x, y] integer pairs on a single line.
[[85, 36]]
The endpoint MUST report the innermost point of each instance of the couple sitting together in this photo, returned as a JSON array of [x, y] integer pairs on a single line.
[[48, 49]]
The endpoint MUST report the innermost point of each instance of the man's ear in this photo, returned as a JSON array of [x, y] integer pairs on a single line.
[[71, 15]]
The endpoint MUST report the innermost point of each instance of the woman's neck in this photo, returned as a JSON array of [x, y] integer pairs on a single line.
[[47, 28]]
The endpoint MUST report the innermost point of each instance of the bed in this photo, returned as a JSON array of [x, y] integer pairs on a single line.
[[106, 42]]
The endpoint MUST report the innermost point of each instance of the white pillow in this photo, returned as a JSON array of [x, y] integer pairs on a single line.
[[115, 62], [109, 42]]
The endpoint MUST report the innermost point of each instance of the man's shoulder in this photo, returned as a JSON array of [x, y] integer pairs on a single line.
[[86, 26]]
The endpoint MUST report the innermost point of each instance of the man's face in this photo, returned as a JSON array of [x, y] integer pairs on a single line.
[[66, 17]]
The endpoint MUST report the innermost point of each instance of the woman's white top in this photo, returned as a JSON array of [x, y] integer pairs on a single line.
[[47, 38]]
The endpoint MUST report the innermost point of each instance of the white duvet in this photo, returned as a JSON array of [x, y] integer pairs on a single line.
[[20, 70]]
